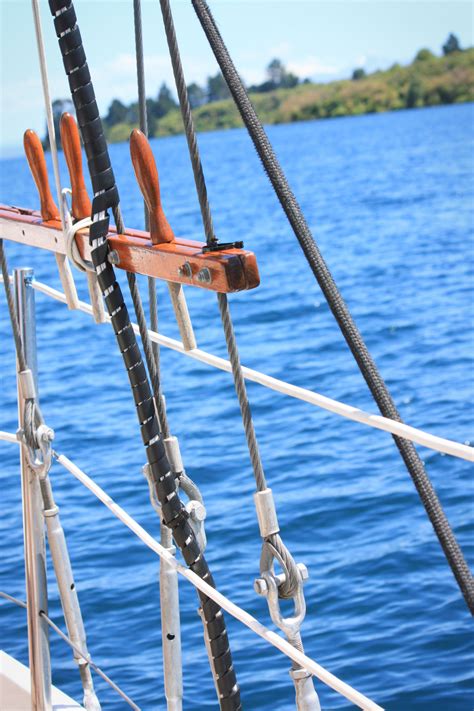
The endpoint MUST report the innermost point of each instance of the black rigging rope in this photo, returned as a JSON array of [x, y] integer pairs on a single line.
[[106, 197], [331, 292]]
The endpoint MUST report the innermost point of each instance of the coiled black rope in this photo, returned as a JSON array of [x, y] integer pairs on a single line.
[[338, 307], [106, 197]]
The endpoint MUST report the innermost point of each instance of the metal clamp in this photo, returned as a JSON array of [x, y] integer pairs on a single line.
[[197, 514], [267, 585], [41, 465]]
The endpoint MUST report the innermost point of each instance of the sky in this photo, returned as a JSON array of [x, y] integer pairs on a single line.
[[319, 39]]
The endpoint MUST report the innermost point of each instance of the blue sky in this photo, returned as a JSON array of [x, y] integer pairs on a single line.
[[319, 39]]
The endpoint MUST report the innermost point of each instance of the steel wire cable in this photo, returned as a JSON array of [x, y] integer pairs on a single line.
[[188, 121], [292, 580], [11, 309], [106, 197], [153, 349], [76, 649], [338, 307]]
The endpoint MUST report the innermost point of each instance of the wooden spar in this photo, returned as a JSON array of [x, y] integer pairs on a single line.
[[37, 162], [156, 254], [181, 261], [71, 143], [147, 176]]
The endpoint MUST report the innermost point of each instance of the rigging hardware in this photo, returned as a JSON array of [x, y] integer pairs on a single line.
[[106, 196], [367, 366]]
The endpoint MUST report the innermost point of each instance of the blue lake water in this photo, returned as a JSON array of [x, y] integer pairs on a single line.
[[389, 199]]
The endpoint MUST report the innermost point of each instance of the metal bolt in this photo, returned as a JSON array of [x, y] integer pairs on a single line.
[[260, 586], [113, 257], [204, 276], [44, 434], [196, 510], [185, 270], [303, 571]]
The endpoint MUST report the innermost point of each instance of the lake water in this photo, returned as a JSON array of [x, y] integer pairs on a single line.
[[389, 199]]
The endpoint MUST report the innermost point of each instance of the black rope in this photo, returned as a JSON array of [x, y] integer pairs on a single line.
[[343, 317], [106, 197]]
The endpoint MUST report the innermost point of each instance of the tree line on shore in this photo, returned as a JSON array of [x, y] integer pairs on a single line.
[[215, 89], [283, 96]]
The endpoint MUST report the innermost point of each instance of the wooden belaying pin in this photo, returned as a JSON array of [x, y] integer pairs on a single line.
[[37, 162], [147, 177], [71, 142]]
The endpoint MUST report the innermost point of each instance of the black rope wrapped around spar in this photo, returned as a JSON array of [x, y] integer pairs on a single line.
[[368, 368], [106, 197]]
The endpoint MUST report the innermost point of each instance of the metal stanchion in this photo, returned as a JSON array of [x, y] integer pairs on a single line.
[[33, 521]]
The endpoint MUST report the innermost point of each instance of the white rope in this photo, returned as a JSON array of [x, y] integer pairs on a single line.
[[47, 103], [9, 437], [71, 247], [78, 651], [439, 444], [67, 280], [272, 637], [74, 255]]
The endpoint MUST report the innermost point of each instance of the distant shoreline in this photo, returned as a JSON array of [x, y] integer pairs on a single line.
[[429, 81]]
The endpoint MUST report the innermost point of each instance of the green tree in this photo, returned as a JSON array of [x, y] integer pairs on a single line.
[[289, 80], [415, 93], [197, 95], [451, 45], [117, 113], [151, 117], [217, 88], [278, 78], [276, 72], [358, 73], [423, 55], [165, 101]]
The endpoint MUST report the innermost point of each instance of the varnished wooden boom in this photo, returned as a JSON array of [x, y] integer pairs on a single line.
[[180, 261]]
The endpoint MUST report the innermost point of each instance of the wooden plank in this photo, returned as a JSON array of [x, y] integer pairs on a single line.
[[181, 261]]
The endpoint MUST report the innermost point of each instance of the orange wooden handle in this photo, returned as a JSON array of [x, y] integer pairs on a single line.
[[37, 162], [147, 177], [71, 143]]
